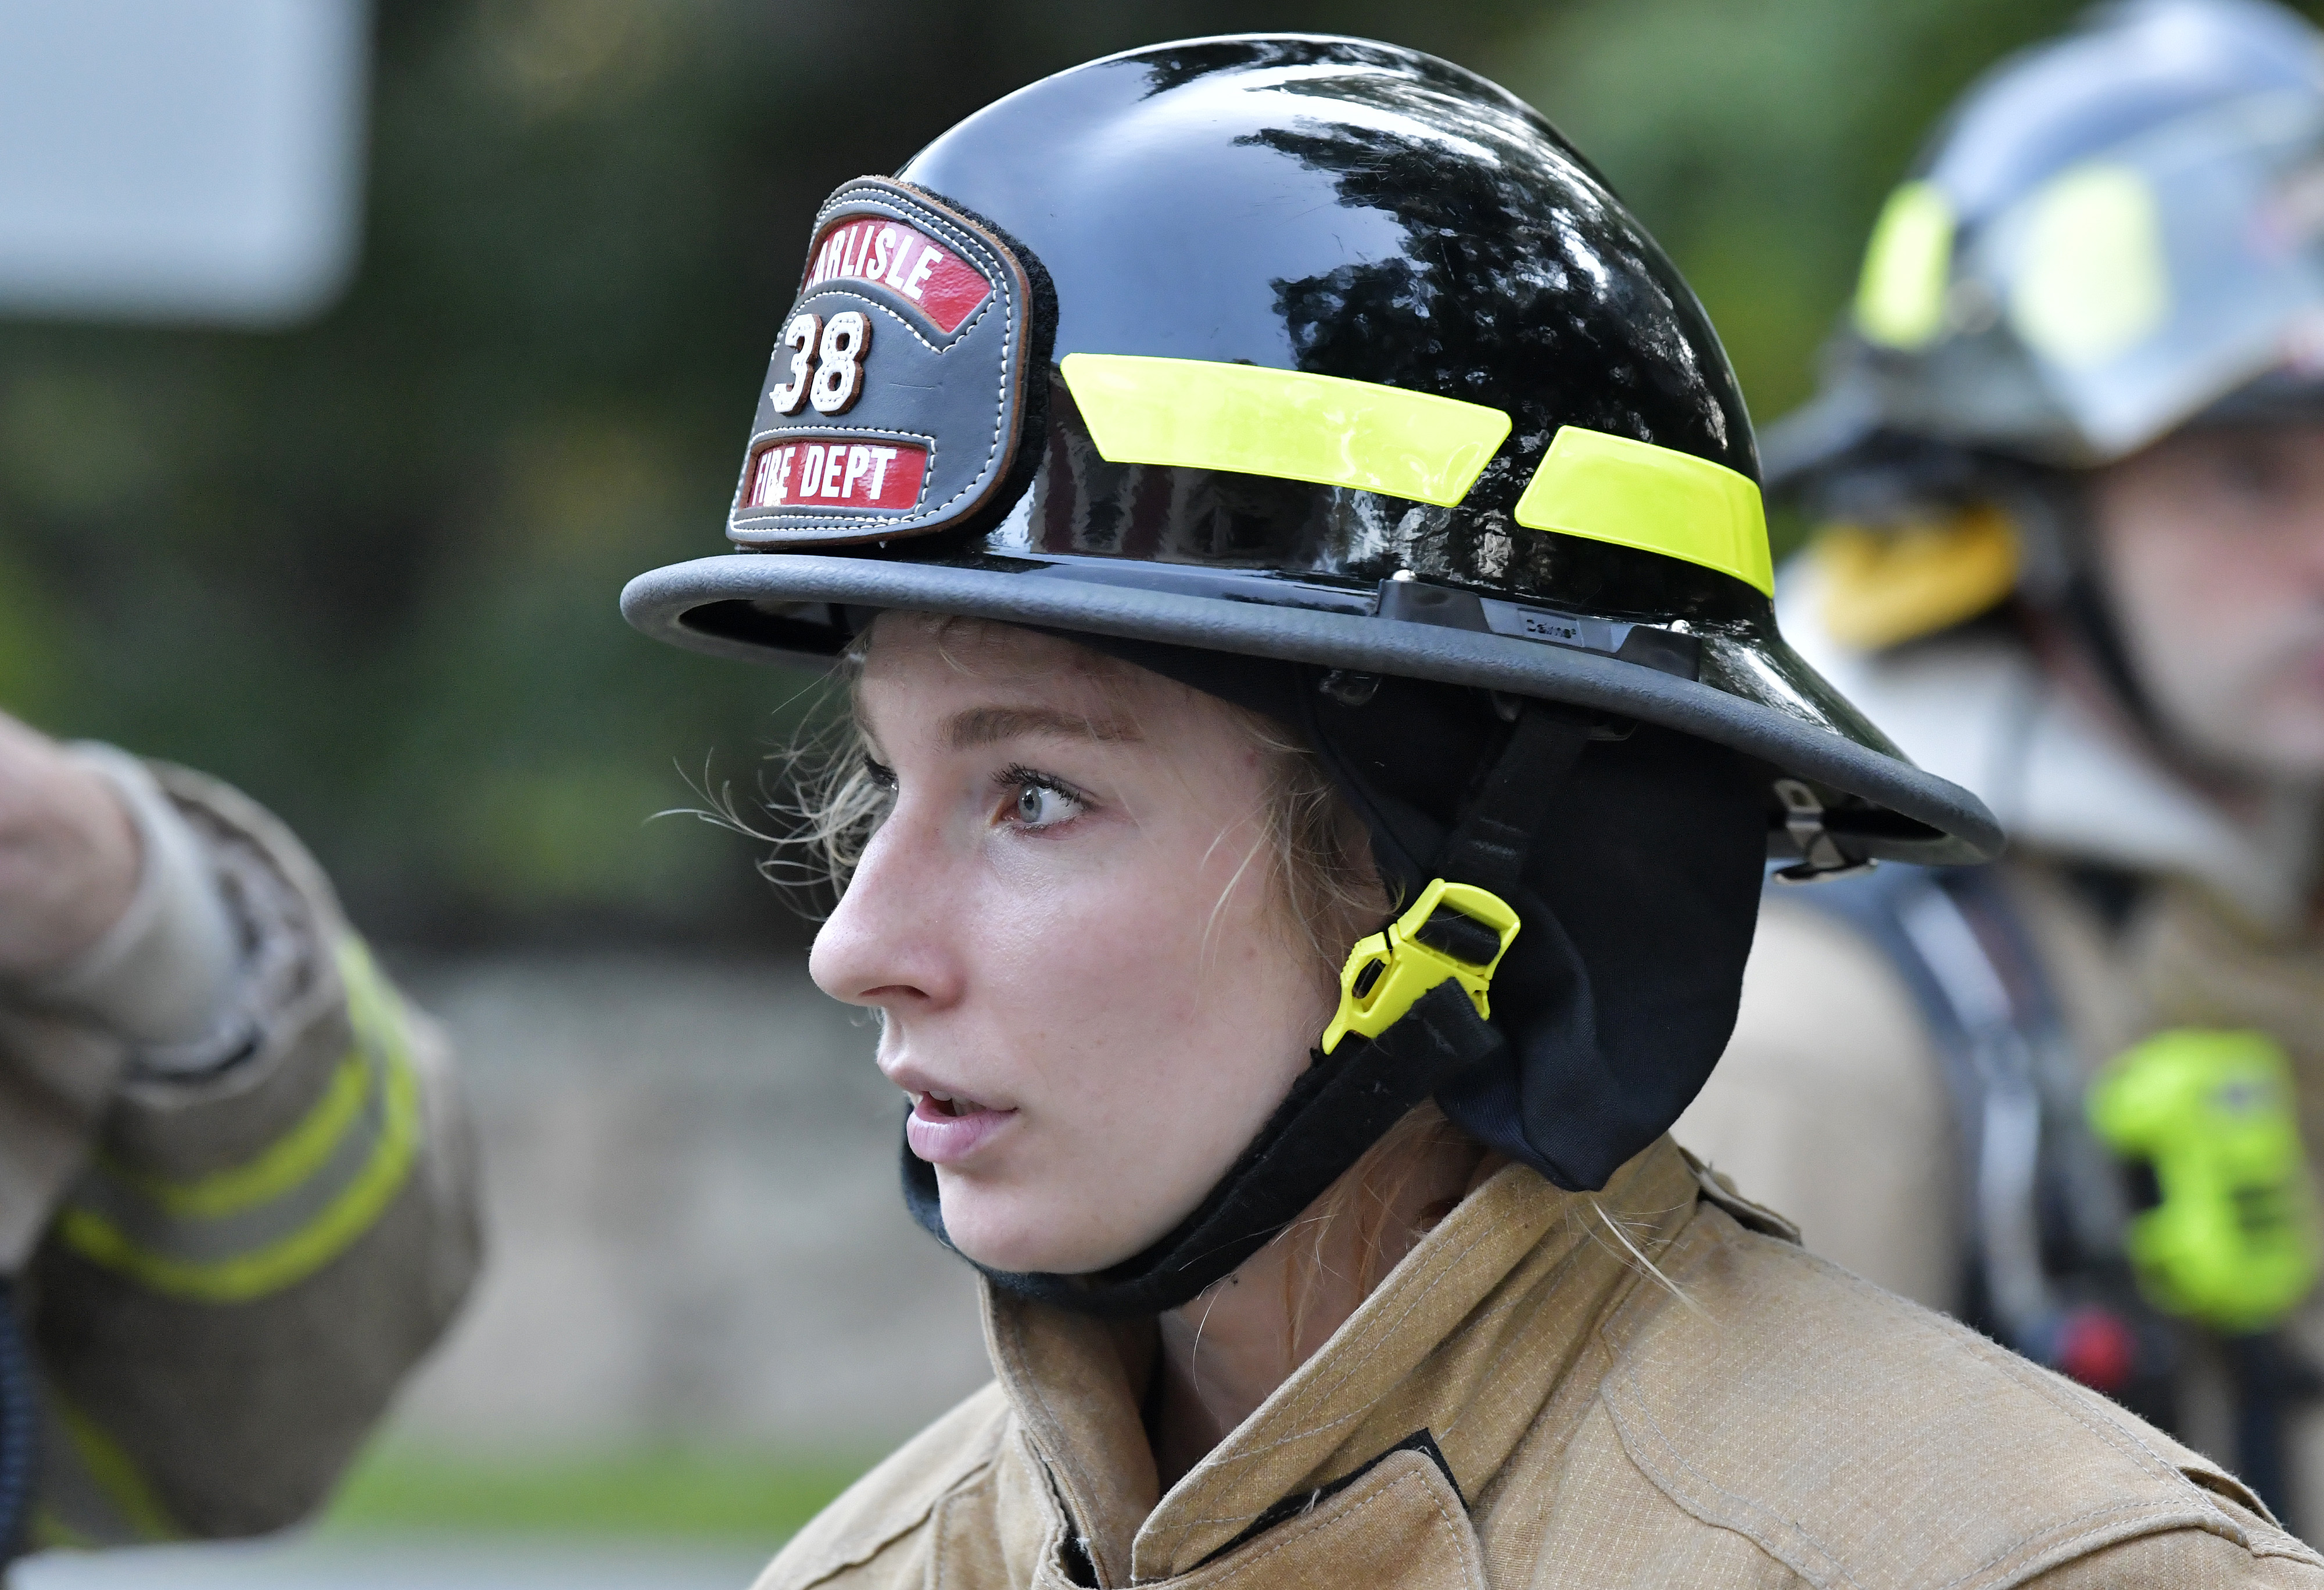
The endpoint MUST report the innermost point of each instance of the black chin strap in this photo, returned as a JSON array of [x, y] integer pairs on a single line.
[[1334, 1111], [1343, 1102], [2057, 514]]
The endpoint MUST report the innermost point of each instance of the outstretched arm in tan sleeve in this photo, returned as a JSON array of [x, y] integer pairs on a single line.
[[234, 1172]]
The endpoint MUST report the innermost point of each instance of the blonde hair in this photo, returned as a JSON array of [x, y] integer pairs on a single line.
[[1363, 1207], [1318, 855]]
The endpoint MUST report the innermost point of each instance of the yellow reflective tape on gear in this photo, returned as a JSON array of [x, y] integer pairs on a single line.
[[49, 1531], [2090, 279], [1881, 587], [2232, 1237], [382, 1058], [116, 1481], [292, 1158], [1636, 494], [1386, 973], [1900, 298], [1197, 414]]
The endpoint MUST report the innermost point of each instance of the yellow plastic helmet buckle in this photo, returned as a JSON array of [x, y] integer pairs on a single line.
[[1386, 973]]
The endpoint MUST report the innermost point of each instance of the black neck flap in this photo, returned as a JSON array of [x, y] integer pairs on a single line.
[[1638, 896], [1343, 1103]]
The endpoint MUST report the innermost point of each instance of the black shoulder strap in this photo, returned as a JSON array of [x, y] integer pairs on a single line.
[[20, 1429], [2038, 1187]]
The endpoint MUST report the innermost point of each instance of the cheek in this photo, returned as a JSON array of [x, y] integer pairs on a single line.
[[1155, 1024], [1153, 1039], [2205, 608], [1164, 955], [2192, 608], [2195, 568]]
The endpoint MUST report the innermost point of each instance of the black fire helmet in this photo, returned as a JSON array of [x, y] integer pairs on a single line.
[[1326, 377]]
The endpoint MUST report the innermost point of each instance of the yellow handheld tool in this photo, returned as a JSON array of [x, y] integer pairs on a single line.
[[2231, 1236], [1454, 929]]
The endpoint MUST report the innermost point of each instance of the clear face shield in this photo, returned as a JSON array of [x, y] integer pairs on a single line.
[[2145, 284]]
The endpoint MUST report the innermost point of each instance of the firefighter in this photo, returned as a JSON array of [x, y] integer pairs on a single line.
[[237, 1201], [1319, 729], [2068, 464]]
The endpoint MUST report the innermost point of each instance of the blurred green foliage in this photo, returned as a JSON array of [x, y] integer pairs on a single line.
[[366, 568]]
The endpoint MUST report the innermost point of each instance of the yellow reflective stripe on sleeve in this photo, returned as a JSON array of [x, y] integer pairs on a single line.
[[93, 1492], [1636, 494], [1197, 414], [291, 1160], [48, 1532], [1900, 299], [241, 1234]]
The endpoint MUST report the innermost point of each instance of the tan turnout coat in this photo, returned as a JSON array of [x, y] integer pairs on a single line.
[[1521, 1403]]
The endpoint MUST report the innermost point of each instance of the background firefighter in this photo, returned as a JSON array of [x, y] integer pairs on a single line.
[[2070, 463]]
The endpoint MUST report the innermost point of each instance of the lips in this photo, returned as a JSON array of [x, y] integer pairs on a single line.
[[945, 1129]]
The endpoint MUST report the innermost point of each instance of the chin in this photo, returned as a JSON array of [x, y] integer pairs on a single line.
[[1015, 1231]]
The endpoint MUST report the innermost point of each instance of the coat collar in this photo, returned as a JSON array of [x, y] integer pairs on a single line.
[[1480, 1327]]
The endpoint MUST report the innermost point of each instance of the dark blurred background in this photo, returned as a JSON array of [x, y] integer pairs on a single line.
[[366, 567]]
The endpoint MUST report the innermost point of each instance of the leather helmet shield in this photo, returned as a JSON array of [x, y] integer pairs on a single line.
[[895, 401]]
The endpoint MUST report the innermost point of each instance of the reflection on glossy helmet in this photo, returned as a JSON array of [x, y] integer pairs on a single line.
[[2112, 235], [1296, 347], [1323, 376]]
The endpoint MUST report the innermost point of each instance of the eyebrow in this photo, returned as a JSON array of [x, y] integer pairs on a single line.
[[981, 726]]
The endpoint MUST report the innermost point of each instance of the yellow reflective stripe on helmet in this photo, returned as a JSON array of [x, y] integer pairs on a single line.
[[2092, 280], [1197, 414], [1636, 494], [253, 1230], [48, 1530], [1900, 299]]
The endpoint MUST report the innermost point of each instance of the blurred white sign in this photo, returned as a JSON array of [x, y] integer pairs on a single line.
[[179, 160]]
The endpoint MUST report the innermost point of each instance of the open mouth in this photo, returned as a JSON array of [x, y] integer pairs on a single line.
[[944, 1129]]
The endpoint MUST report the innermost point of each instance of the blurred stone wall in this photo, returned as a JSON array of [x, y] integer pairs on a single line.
[[695, 1229]]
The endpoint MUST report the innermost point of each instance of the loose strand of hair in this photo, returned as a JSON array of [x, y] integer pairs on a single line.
[[1638, 1256]]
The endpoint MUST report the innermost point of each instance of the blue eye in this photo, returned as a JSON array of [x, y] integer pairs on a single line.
[[1041, 806]]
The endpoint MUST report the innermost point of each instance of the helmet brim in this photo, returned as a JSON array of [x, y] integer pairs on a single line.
[[1767, 701]]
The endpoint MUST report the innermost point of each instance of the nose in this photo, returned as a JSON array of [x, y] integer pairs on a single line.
[[887, 946]]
